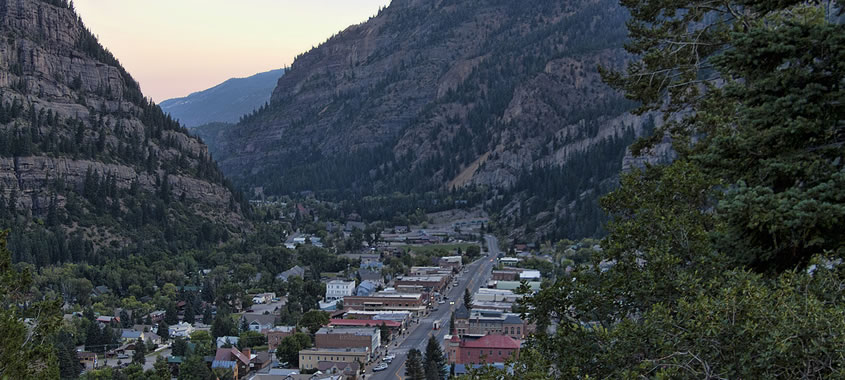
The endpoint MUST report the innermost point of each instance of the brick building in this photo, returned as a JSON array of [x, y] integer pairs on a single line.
[[312, 357], [490, 322], [484, 350], [431, 283], [276, 334], [348, 337]]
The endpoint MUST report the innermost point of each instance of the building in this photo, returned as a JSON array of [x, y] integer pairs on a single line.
[[423, 271], [490, 322], [259, 322], [430, 284], [263, 298], [181, 329], [130, 336], [296, 271], [372, 276], [529, 275], [349, 337], [450, 262], [393, 326], [513, 285], [87, 359], [413, 303], [337, 289], [509, 261], [310, 358], [276, 334], [366, 288], [496, 295], [505, 275], [487, 349], [157, 316], [227, 341], [232, 358]]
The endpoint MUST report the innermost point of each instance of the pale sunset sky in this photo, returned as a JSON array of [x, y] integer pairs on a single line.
[[176, 47]]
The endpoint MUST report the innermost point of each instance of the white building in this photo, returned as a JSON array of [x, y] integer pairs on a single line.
[[263, 298], [337, 289], [182, 329], [530, 275]]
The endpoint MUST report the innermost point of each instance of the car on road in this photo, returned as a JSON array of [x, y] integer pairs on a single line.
[[451, 302], [380, 367], [442, 302], [390, 357]]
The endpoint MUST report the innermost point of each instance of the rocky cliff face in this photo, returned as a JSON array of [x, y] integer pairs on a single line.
[[71, 113], [441, 94]]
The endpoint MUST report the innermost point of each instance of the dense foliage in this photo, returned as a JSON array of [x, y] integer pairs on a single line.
[[726, 263]]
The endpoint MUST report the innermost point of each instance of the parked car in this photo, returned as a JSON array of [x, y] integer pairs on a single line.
[[380, 367], [389, 357]]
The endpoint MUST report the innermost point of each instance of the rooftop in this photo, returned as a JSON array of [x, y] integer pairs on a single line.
[[348, 330], [362, 322], [492, 341], [335, 350]]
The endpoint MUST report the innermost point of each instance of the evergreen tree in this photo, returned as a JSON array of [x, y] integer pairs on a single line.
[[207, 318], [163, 331], [467, 299], [414, 366], [139, 356], [171, 316], [190, 314], [434, 362]]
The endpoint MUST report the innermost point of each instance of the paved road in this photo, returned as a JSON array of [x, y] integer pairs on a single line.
[[476, 275]]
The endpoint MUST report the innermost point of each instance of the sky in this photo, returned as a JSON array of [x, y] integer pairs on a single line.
[[176, 47]]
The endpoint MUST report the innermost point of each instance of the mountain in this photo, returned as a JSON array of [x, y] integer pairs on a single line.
[[88, 166], [452, 94], [225, 102]]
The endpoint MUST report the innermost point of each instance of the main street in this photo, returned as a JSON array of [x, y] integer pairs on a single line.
[[475, 275]]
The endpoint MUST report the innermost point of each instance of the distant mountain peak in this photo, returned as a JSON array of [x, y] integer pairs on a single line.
[[225, 102]]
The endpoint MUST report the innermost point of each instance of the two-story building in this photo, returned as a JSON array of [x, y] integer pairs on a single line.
[[490, 322], [338, 289], [349, 337], [485, 350], [276, 334], [311, 358], [413, 303]]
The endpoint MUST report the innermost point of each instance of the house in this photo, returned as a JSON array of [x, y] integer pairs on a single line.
[[260, 360], [227, 341], [296, 271], [181, 329], [337, 289], [129, 336], [262, 298], [258, 322], [338, 368], [352, 225], [100, 290], [366, 288], [232, 358], [487, 349], [372, 276], [150, 337], [87, 359], [401, 229], [157, 316], [107, 319]]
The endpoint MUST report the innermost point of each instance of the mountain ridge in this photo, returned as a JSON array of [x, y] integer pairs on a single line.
[[225, 102], [87, 164]]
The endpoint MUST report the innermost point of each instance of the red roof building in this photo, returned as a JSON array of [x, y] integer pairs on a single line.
[[485, 350]]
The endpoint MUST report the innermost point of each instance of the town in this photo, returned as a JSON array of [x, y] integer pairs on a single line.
[[369, 320]]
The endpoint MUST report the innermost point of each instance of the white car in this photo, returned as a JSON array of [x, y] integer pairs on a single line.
[[442, 302], [380, 367], [389, 357]]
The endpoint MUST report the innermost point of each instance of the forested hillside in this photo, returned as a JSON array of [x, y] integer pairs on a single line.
[[89, 168], [443, 95]]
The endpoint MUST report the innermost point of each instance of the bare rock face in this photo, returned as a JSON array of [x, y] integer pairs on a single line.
[[69, 110]]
